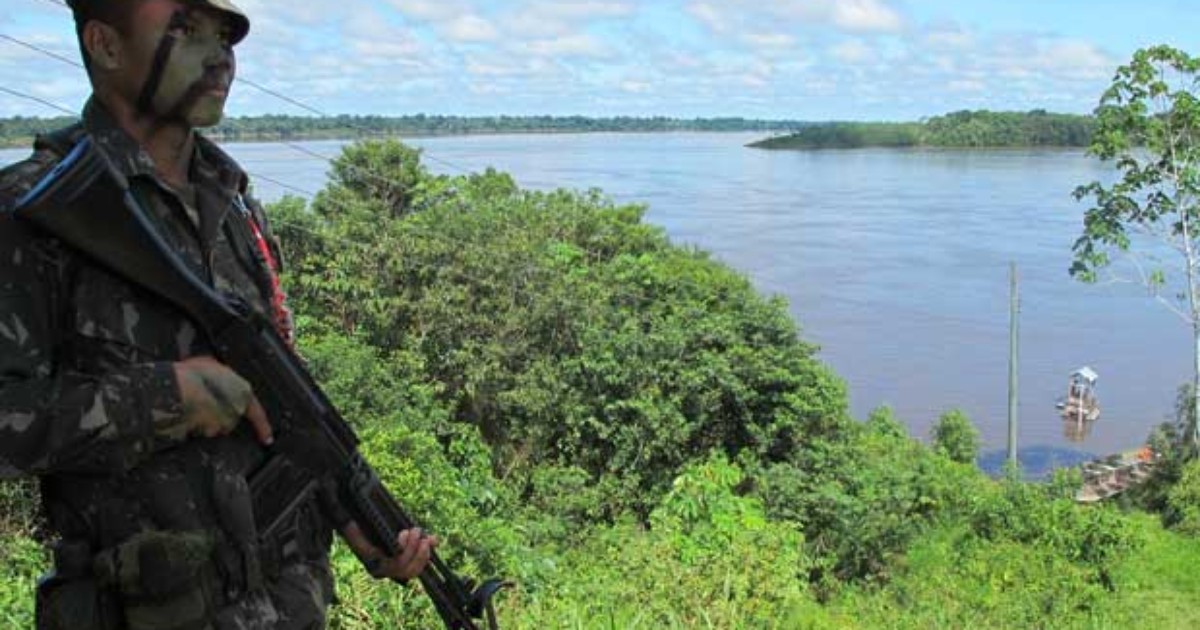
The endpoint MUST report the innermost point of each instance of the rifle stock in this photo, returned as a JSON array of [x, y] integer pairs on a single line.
[[86, 204]]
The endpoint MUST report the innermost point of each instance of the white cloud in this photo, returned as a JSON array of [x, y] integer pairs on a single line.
[[636, 87], [579, 10], [947, 36], [866, 16], [966, 85], [581, 45], [1076, 59], [431, 10], [709, 15], [471, 28], [853, 52], [851, 16], [397, 50], [769, 40]]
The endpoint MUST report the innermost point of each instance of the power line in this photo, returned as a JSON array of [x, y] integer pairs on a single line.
[[36, 99], [39, 49], [254, 84], [266, 90]]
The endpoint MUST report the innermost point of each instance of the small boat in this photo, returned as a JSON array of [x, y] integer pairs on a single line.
[[1080, 404]]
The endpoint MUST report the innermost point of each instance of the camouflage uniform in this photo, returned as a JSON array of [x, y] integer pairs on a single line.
[[157, 533]]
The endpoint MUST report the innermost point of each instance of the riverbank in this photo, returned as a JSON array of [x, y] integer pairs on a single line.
[[20, 131]]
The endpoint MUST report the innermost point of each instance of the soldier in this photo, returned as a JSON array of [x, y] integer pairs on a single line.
[[109, 396]]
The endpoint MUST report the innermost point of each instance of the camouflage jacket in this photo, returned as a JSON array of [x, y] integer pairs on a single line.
[[86, 359]]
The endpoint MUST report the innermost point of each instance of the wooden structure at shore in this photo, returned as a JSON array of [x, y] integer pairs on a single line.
[[1107, 477]]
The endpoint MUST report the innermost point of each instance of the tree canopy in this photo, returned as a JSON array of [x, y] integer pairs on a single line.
[[1149, 128], [962, 129]]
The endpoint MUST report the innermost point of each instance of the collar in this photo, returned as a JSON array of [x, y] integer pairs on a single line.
[[209, 162]]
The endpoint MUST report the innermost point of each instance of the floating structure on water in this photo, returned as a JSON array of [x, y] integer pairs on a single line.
[[1080, 404]]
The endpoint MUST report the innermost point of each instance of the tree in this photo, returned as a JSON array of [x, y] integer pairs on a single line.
[[955, 437], [1149, 126]]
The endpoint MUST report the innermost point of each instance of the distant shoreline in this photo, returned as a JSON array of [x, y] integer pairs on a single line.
[[959, 130], [19, 132], [352, 135], [964, 129]]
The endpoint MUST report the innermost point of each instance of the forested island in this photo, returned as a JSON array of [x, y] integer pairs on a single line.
[[19, 131], [962, 129]]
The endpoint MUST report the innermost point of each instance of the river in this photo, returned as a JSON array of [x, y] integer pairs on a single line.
[[896, 262]]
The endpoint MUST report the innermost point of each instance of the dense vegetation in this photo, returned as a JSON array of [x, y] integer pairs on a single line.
[[958, 129], [19, 131], [638, 439]]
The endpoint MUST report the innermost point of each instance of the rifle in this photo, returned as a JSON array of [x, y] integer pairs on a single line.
[[88, 205]]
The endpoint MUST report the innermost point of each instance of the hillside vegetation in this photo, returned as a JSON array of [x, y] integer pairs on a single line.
[[963, 129], [637, 438]]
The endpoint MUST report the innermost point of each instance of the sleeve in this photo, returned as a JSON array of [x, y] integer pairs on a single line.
[[53, 419]]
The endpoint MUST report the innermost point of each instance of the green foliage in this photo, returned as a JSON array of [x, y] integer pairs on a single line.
[[953, 579], [882, 421], [627, 577], [1149, 127], [1007, 129], [22, 562], [1183, 501], [1034, 515], [572, 334], [1154, 586], [957, 129], [705, 513], [18, 508], [956, 437], [863, 497], [847, 136]]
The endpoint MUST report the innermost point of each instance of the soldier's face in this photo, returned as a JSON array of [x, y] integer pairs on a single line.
[[181, 62]]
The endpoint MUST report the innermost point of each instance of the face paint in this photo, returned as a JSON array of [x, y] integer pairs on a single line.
[[162, 54], [192, 68]]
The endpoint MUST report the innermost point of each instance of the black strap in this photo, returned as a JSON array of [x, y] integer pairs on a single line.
[[61, 141]]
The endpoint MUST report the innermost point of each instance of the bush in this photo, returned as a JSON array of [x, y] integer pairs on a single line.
[[1183, 501], [22, 562], [956, 437], [569, 332]]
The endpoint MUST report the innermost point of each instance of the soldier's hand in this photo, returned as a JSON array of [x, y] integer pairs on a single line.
[[215, 399], [416, 547]]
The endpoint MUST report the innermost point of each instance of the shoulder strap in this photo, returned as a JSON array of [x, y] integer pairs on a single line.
[[61, 141]]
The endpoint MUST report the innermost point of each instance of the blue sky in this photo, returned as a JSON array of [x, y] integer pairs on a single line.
[[795, 59]]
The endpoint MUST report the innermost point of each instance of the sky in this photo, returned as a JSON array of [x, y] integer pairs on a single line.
[[773, 59]]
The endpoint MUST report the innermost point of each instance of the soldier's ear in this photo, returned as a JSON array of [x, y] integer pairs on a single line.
[[103, 44]]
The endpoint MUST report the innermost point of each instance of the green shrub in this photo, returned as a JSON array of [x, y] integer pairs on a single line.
[[22, 562], [569, 332], [1183, 501], [956, 437]]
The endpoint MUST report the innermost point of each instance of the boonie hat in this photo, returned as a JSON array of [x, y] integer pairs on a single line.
[[241, 23]]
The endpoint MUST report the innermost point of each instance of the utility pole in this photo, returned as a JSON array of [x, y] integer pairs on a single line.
[[1012, 368]]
